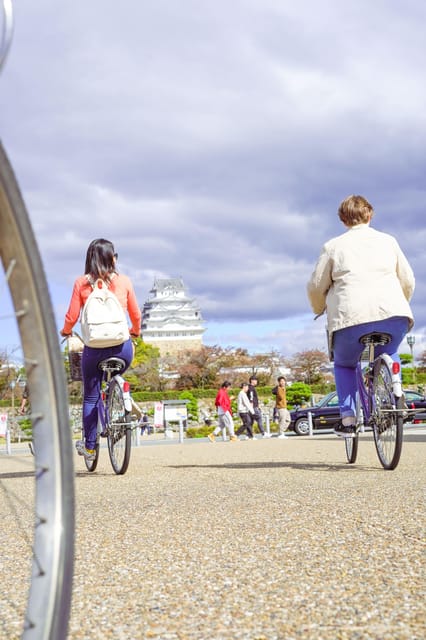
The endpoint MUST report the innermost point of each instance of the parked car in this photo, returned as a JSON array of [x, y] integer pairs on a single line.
[[415, 400], [326, 414]]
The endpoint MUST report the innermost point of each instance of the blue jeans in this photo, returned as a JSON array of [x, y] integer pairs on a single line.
[[92, 378], [347, 350]]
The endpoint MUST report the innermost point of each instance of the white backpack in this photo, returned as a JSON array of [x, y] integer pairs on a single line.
[[103, 320]]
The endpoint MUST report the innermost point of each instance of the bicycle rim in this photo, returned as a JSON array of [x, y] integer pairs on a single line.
[[41, 511], [387, 423], [119, 429]]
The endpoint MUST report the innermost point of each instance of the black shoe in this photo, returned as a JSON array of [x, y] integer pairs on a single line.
[[345, 431]]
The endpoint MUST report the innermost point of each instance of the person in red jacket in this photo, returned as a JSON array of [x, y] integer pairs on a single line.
[[224, 413]]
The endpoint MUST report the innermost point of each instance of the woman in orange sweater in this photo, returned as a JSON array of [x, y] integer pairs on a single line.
[[100, 263]]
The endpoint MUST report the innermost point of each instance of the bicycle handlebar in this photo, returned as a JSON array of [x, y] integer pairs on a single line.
[[7, 31]]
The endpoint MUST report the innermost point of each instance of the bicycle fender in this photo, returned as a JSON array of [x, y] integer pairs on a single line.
[[396, 378], [126, 394]]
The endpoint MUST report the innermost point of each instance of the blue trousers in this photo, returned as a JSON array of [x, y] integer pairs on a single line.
[[347, 350], [92, 378]]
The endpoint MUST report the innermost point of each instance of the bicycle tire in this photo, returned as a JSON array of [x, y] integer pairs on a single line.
[[351, 444], [351, 448], [387, 424], [92, 464], [119, 432], [48, 600]]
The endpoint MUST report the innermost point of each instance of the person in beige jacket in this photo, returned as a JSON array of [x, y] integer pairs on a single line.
[[364, 282]]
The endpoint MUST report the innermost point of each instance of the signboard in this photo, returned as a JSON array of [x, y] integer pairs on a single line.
[[175, 413], [3, 424], [158, 414]]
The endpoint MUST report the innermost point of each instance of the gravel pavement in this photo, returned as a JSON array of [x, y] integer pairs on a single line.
[[265, 540], [272, 539]]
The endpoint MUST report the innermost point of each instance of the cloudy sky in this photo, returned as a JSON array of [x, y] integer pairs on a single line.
[[213, 140]]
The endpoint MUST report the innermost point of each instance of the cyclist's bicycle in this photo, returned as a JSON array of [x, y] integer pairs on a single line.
[[380, 403], [114, 412], [36, 493]]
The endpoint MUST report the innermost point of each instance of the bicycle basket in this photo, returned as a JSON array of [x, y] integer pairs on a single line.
[[75, 352]]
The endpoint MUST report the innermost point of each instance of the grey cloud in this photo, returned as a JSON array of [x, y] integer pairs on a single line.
[[216, 144]]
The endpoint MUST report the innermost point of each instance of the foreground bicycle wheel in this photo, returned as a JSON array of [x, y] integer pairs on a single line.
[[386, 422], [37, 505], [119, 429]]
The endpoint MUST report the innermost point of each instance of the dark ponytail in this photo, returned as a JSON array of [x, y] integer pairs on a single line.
[[100, 260]]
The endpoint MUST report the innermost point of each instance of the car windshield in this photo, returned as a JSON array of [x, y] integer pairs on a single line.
[[326, 400], [413, 395]]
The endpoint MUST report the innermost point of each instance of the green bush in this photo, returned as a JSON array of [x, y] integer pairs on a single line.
[[199, 432]]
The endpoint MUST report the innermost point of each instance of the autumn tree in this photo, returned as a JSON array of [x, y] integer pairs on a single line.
[[199, 368], [421, 361], [144, 374], [308, 366]]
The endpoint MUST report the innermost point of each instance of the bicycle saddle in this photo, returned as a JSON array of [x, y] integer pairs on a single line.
[[113, 364], [375, 337]]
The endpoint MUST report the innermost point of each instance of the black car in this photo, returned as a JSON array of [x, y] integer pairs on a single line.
[[415, 400], [326, 414]]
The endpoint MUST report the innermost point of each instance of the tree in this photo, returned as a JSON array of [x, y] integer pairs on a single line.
[[421, 361], [309, 366], [200, 368], [192, 404], [143, 373], [298, 393]]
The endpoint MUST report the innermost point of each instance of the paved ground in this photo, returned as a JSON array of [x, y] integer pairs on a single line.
[[266, 540]]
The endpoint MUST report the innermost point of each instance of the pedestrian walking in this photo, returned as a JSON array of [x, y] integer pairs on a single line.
[[245, 411], [284, 418], [254, 399], [144, 424], [224, 413]]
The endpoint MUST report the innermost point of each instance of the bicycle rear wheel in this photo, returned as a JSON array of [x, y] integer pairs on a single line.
[[37, 506], [119, 431], [387, 416]]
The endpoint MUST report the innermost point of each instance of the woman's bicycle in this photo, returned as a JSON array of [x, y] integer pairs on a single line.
[[114, 410], [380, 403], [36, 493]]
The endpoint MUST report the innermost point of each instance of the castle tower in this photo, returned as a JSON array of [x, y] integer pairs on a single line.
[[171, 320]]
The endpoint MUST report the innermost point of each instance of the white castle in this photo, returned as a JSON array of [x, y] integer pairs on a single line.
[[171, 320]]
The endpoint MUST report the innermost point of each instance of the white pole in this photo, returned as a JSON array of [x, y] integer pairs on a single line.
[[311, 426], [267, 422], [180, 430], [8, 447]]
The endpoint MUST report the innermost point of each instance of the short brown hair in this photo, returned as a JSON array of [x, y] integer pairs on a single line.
[[355, 210]]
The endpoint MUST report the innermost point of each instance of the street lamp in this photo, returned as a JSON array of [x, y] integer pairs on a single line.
[[411, 340]]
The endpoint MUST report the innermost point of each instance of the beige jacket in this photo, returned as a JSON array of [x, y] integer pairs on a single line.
[[361, 276]]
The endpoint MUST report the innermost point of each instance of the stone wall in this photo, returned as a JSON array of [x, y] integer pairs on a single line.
[[174, 347]]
